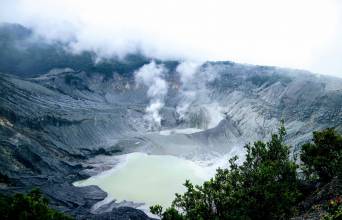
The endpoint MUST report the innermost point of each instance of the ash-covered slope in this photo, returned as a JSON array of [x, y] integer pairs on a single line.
[[54, 119], [45, 136], [256, 98]]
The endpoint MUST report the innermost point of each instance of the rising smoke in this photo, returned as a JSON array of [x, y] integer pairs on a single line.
[[195, 105], [152, 76], [187, 71]]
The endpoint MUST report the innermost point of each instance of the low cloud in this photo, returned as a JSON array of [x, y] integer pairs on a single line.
[[285, 33]]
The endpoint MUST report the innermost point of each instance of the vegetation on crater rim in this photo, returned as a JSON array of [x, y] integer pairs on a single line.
[[267, 185], [30, 206]]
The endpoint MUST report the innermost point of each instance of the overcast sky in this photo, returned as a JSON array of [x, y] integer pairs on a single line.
[[305, 34]]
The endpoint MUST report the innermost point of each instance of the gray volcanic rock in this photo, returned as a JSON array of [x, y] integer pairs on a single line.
[[46, 135], [313, 207], [122, 213], [50, 126], [53, 123]]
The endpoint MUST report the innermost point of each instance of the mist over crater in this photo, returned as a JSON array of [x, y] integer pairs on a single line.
[[70, 116]]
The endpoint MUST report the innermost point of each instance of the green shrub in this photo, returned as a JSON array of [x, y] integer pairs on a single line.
[[334, 209], [157, 210], [32, 206], [322, 159], [263, 187]]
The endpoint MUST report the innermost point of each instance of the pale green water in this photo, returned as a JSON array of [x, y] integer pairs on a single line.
[[150, 179]]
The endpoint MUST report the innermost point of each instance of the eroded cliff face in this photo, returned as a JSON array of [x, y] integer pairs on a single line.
[[81, 114], [52, 123]]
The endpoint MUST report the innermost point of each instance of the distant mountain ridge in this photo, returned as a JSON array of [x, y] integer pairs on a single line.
[[57, 110]]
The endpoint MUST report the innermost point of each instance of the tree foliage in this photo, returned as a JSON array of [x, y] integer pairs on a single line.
[[28, 207], [334, 209], [322, 159], [265, 186]]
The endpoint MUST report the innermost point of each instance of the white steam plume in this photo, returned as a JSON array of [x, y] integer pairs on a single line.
[[187, 71], [194, 77], [152, 76]]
